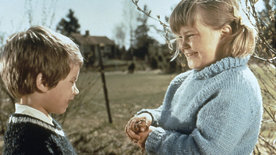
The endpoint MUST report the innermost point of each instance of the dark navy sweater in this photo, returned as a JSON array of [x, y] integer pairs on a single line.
[[27, 135]]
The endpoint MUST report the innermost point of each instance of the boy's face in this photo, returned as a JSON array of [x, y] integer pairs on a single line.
[[199, 44], [58, 98]]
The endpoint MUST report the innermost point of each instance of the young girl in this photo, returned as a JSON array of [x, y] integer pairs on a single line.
[[216, 107]]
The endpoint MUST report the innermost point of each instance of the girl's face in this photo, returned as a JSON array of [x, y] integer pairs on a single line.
[[199, 44]]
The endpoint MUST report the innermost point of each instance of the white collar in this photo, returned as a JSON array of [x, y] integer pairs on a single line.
[[27, 110]]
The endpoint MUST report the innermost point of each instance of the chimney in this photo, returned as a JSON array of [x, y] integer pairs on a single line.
[[87, 33]]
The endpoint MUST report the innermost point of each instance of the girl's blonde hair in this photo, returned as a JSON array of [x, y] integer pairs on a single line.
[[216, 14], [37, 50]]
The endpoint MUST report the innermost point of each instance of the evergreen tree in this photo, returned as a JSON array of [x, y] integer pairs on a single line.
[[69, 25]]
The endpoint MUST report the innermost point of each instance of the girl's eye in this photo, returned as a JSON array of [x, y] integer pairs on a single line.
[[190, 35], [179, 38]]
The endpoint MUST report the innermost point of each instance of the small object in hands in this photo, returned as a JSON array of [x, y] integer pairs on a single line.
[[140, 126]]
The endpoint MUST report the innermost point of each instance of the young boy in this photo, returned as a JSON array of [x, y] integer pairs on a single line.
[[39, 68]]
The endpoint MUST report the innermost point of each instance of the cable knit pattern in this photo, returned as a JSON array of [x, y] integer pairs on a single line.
[[214, 111], [27, 135]]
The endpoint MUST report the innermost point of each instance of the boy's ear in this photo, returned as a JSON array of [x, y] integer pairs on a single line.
[[39, 83], [226, 30]]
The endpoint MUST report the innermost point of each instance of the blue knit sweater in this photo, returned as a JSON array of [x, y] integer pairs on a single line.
[[216, 111]]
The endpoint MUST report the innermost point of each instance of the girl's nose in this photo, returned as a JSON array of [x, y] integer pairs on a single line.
[[184, 44]]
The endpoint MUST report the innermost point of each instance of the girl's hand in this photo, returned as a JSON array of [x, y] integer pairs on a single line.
[[129, 129], [143, 137], [136, 125]]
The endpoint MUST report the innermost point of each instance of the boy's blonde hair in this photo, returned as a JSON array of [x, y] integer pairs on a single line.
[[37, 50], [216, 14]]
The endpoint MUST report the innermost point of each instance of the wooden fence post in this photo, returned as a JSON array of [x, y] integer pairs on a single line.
[[104, 83]]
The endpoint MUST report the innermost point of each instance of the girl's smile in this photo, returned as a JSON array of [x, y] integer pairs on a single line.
[[190, 54], [199, 44]]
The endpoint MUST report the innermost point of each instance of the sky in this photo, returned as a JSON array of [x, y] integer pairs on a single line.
[[100, 17]]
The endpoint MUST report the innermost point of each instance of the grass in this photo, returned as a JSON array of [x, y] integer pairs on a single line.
[[89, 129]]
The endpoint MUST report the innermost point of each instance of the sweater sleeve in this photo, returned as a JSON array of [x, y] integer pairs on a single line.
[[175, 83], [220, 125]]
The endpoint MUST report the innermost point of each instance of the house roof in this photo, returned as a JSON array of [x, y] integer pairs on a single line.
[[92, 40]]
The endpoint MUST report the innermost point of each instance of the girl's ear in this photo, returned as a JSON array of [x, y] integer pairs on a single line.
[[39, 83], [226, 30]]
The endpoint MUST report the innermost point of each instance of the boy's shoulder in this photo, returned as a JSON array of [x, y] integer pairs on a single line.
[[28, 126], [30, 135], [26, 135]]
